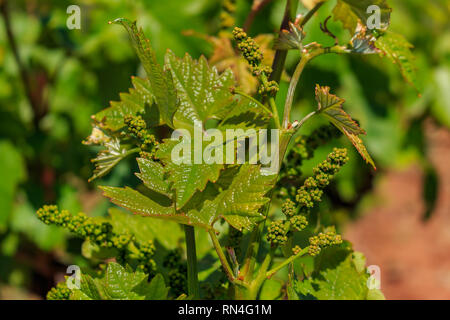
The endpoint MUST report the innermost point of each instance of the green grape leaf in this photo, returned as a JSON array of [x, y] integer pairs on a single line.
[[398, 50], [239, 204], [108, 158], [203, 93], [349, 12], [167, 233], [130, 103], [246, 114], [88, 289], [335, 280], [186, 178], [119, 283], [137, 203], [161, 81], [331, 107], [290, 39], [153, 176]]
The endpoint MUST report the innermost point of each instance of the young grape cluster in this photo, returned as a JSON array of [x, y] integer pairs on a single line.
[[323, 240], [60, 292], [303, 149], [136, 127], [306, 197], [176, 272], [252, 53], [129, 250]]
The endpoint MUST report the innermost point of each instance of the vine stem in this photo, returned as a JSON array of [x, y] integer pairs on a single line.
[[306, 118], [280, 55], [310, 13], [292, 86], [223, 259], [193, 288], [270, 273], [306, 57]]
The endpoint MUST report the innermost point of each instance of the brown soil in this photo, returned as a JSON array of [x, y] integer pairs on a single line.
[[414, 256]]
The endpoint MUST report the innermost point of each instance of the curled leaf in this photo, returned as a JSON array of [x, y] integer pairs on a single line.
[[290, 39], [108, 158], [330, 106]]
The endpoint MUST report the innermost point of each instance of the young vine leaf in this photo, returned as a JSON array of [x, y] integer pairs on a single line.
[[108, 158], [239, 204], [153, 176], [397, 49], [140, 204], [161, 80], [186, 178], [290, 39], [203, 93], [119, 283], [341, 279], [331, 106]]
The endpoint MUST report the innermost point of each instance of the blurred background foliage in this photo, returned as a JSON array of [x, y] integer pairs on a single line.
[[73, 74]]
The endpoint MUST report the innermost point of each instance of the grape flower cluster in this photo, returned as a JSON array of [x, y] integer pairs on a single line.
[[60, 292], [306, 197], [101, 233], [136, 127], [252, 53], [323, 240], [176, 272]]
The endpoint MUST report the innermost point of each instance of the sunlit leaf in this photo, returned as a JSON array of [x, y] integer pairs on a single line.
[[137, 203], [119, 283], [108, 158], [398, 50], [239, 204], [330, 106], [161, 80], [187, 178], [203, 93], [153, 175]]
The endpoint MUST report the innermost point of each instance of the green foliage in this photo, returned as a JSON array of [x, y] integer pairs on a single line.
[[118, 283], [398, 50], [331, 107], [161, 80], [203, 94], [186, 179], [177, 94], [342, 277]]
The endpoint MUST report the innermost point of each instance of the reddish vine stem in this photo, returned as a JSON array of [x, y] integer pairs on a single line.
[[280, 55], [256, 8]]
